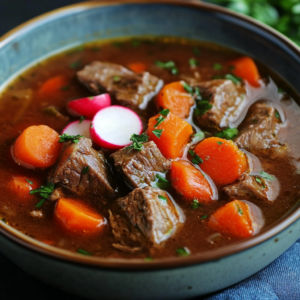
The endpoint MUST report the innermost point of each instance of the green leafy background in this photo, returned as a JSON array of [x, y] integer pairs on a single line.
[[283, 15]]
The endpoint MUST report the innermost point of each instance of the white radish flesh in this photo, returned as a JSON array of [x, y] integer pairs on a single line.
[[89, 106], [113, 126], [78, 127]]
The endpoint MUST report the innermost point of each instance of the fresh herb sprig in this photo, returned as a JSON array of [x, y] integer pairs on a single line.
[[183, 251], [162, 182], [67, 137], [137, 142], [196, 159], [169, 65], [44, 191], [228, 133]]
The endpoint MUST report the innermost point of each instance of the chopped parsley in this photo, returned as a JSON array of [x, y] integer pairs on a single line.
[[196, 51], [159, 120], [183, 251], [39, 204], [193, 62], [162, 183], [258, 180], [67, 137], [204, 217], [199, 136], [169, 65], [29, 181], [162, 198], [267, 176], [202, 108], [81, 119], [220, 143], [196, 159], [81, 251], [196, 204], [44, 191], [228, 133], [86, 169], [277, 115], [116, 78], [157, 132], [233, 78], [217, 66], [75, 64], [240, 211], [149, 258], [165, 112], [195, 92], [137, 141]]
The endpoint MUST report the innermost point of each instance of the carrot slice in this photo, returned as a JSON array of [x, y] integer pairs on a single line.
[[174, 135], [137, 67], [37, 146], [174, 97], [232, 220], [76, 216], [22, 186], [246, 68], [190, 182], [53, 86], [222, 160]]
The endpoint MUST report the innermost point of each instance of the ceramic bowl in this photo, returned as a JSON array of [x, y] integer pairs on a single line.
[[174, 278]]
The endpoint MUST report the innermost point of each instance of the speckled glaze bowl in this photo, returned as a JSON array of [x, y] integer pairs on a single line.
[[174, 278]]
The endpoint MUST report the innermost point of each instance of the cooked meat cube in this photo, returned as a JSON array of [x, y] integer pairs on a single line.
[[260, 128], [140, 167], [82, 169], [152, 212], [251, 186], [129, 89], [225, 98]]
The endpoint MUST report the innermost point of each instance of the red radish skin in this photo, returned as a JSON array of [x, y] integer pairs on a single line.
[[112, 127], [78, 127], [88, 106]]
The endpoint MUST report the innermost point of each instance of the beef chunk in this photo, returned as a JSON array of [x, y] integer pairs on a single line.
[[140, 167], [129, 89], [152, 212], [225, 98], [82, 170], [260, 128], [251, 186]]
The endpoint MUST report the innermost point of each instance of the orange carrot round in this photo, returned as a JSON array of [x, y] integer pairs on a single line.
[[222, 160], [232, 220], [174, 135], [137, 67], [174, 97], [76, 216], [246, 68], [22, 186], [53, 86], [190, 182], [37, 147]]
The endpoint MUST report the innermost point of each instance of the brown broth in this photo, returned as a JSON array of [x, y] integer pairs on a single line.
[[194, 233]]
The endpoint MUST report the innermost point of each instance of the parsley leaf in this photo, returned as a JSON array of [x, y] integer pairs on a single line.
[[183, 251], [162, 183], [159, 120], [67, 137], [204, 217], [81, 251], [165, 112], [217, 66], [258, 180], [137, 141], [196, 158], [228, 133], [149, 258], [44, 191], [81, 119], [196, 204], [169, 65], [162, 198], [195, 92], [202, 108], [85, 170], [193, 62], [116, 79], [157, 132], [233, 78], [267, 176], [240, 211], [29, 181], [220, 143], [199, 136]]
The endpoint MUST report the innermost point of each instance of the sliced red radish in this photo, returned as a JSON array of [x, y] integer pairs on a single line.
[[113, 126], [79, 127], [88, 106]]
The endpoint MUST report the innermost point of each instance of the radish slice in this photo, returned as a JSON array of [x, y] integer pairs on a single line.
[[113, 126], [77, 127], [88, 106]]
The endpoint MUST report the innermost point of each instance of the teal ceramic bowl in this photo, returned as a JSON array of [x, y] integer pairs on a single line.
[[174, 278]]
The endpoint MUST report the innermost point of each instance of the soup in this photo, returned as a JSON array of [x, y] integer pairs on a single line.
[[186, 147]]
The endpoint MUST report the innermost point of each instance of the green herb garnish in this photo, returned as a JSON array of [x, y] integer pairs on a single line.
[[196, 158], [162, 198], [148, 258], [197, 137], [162, 183], [116, 78], [193, 62], [29, 181], [240, 211], [169, 65], [217, 66], [277, 115], [137, 141], [159, 120], [219, 143], [75, 64], [86, 169], [81, 119], [195, 92], [39, 204], [233, 78], [267, 176], [81, 251], [204, 217], [157, 132], [228, 133], [196, 51], [45, 191], [258, 180], [183, 251], [196, 204], [202, 108], [67, 137], [165, 112]]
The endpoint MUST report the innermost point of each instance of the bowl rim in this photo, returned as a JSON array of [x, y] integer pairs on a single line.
[[138, 264]]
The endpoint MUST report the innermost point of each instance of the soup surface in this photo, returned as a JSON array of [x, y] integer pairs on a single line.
[[260, 166]]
